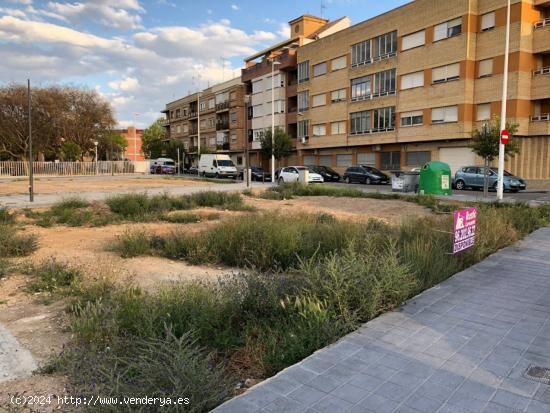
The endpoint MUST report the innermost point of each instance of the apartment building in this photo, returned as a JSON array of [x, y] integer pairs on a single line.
[[412, 84], [216, 114], [270, 77]]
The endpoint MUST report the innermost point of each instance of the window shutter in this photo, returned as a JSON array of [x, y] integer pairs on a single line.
[[319, 100], [453, 71], [485, 67], [438, 115], [488, 21], [366, 159], [414, 40], [451, 114], [439, 74], [483, 111], [411, 80], [440, 31], [338, 63]]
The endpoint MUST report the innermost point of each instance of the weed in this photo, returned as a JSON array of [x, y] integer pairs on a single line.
[[5, 268], [52, 277], [13, 244], [6, 217]]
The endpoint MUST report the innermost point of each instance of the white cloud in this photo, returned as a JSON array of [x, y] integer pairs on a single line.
[[284, 30], [26, 2], [126, 85], [122, 15], [235, 7], [12, 12], [146, 69]]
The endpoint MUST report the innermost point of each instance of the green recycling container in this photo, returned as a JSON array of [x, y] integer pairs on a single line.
[[435, 179]]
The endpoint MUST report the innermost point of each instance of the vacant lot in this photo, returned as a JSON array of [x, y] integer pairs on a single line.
[[92, 184]]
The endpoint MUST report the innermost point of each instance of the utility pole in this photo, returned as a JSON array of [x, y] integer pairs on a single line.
[[31, 172], [273, 63], [247, 154], [501, 152]]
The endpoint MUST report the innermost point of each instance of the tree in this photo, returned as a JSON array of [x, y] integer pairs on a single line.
[[485, 143], [70, 152], [152, 140], [283, 144], [59, 114], [111, 145]]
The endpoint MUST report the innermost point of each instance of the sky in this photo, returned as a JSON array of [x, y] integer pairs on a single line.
[[141, 54]]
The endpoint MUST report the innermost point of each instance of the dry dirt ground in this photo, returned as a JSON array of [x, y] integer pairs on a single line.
[[42, 328], [90, 184]]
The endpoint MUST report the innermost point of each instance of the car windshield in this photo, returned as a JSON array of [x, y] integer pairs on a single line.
[[506, 173], [169, 163], [371, 169], [301, 168], [257, 169], [328, 169], [225, 162]]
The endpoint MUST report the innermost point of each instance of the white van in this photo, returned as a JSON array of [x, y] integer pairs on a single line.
[[217, 165]]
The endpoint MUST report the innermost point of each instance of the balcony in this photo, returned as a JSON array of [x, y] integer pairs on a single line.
[[193, 114], [222, 106], [223, 146], [222, 125], [540, 85], [193, 131], [541, 36], [264, 67], [540, 125]]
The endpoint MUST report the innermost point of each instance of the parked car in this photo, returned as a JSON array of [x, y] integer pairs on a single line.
[[257, 174], [217, 165], [328, 174], [192, 170], [163, 166], [366, 175], [292, 174], [473, 177]]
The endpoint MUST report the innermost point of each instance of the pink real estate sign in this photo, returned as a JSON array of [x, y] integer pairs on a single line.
[[464, 229]]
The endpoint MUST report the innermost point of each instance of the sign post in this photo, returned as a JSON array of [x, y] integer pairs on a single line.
[[464, 226]]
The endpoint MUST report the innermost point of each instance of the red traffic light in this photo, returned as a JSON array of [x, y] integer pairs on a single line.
[[504, 137]]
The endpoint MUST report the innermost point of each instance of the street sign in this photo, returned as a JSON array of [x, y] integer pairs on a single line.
[[504, 137], [464, 227]]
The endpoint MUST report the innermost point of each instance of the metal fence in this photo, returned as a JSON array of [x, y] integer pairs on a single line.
[[18, 168]]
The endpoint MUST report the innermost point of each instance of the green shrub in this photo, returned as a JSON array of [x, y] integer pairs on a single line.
[[13, 244], [132, 244], [5, 268], [52, 276], [6, 217]]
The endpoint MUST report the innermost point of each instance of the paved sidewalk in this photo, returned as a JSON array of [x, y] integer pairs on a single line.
[[462, 346], [15, 361]]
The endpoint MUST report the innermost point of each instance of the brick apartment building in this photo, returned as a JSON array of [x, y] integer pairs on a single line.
[[133, 138], [397, 90], [412, 84], [220, 114]]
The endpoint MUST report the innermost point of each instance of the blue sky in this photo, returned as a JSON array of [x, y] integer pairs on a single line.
[[141, 54]]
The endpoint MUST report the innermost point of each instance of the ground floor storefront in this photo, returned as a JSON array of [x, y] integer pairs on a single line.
[[533, 161]]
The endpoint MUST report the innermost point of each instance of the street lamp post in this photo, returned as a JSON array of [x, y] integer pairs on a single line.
[[501, 152], [273, 64], [247, 153], [96, 160]]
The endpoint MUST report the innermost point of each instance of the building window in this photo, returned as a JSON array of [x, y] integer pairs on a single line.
[[278, 81], [419, 158], [487, 21], [178, 129], [212, 142], [483, 111], [413, 40], [233, 95], [412, 118], [344, 160], [303, 129], [338, 63], [448, 29], [361, 88], [338, 128], [211, 103], [360, 122], [384, 83], [390, 160], [485, 68], [203, 124], [320, 69], [257, 111], [366, 159], [319, 130], [257, 86], [178, 113], [278, 107], [233, 117], [319, 100], [384, 119], [303, 101], [360, 53], [203, 105], [185, 128], [412, 80], [303, 71], [384, 46], [446, 73], [338, 95], [233, 138], [445, 114], [257, 134], [239, 160]]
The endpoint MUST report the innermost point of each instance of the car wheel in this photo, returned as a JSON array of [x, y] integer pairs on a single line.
[[368, 181], [217, 176], [460, 185], [347, 179]]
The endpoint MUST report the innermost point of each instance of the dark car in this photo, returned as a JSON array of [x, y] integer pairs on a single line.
[[257, 174], [473, 177], [328, 174], [366, 175]]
